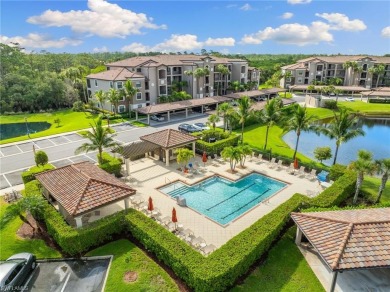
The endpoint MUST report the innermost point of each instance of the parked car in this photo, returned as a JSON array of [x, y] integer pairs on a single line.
[[15, 271], [158, 118], [187, 128], [349, 99], [201, 126]]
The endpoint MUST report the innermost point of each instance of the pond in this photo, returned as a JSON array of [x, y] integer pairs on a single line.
[[8, 131], [375, 140]]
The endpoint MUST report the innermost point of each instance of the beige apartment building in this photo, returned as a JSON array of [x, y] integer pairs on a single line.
[[326, 68], [154, 76]]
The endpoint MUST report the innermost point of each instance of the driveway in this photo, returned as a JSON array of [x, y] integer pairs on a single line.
[[87, 275]]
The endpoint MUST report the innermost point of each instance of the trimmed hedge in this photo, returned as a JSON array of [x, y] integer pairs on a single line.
[[111, 164], [29, 175], [379, 100], [217, 147], [336, 171]]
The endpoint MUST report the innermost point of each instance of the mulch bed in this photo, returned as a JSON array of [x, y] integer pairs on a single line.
[[130, 277]]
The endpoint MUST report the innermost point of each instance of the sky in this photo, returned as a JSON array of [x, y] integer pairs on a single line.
[[237, 27]]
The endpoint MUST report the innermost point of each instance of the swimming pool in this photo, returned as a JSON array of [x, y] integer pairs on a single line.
[[223, 200]]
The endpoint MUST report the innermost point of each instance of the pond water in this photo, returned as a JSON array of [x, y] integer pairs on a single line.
[[20, 129], [375, 140]]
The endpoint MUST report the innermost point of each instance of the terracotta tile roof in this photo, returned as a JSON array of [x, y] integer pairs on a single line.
[[349, 239], [137, 148], [115, 75], [254, 93], [183, 104], [345, 58], [82, 187], [169, 138]]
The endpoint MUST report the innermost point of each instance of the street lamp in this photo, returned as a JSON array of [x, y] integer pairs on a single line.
[[28, 132]]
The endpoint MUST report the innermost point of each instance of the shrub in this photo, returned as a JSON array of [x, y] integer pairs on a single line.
[[336, 171], [330, 104], [41, 158], [111, 164], [78, 106], [29, 175], [218, 146], [322, 153], [379, 100]]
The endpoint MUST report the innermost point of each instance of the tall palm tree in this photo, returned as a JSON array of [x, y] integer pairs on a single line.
[[378, 70], [235, 86], [200, 72], [212, 120], [233, 154], [354, 67], [129, 92], [300, 120], [224, 110], [114, 96], [101, 97], [363, 165], [223, 70], [270, 115], [244, 112], [189, 73], [383, 167], [342, 128], [99, 138]]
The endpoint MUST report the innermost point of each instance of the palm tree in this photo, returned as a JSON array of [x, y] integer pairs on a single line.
[[184, 155], [245, 150], [223, 70], [128, 93], [224, 110], [299, 121], [233, 154], [353, 66], [101, 97], [212, 120], [113, 96], [235, 86], [189, 73], [311, 88], [363, 165], [99, 138], [378, 70], [270, 115], [244, 112], [383, 167], [342, 129], [200, 72]]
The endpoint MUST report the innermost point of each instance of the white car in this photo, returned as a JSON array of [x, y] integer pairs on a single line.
[[158, 118], [349, 99], [201, 126]]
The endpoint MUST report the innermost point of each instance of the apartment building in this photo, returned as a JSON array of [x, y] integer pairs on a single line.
[[341, 70], [156, 76]]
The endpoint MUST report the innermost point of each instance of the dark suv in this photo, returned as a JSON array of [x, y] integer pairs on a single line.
[[187, 128]]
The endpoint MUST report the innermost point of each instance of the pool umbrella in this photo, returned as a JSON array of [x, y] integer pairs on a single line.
[[296, 163], [174, 216], [150, 205], [204, 158]]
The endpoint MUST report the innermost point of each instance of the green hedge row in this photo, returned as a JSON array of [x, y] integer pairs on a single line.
[[217, 147], [379, 100], [29, 175], [111, 164]]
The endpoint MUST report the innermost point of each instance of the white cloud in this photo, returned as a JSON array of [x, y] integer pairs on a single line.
[[293, 2], [246, 7], [294, 33], [100, 50], [287, 15], [185, 42], [231, 6], [340, 21], [102, 19], [35, 40], [386, 32]]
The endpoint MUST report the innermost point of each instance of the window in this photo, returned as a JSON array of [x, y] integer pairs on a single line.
[[14, 273], [111, 84], [119, 85], [299, 80], [88, 83], [254, 74], [300, 73], [121, 109], [319, 67], [138, 84], [139, 96], [242, 69], [365, 67], [96, 83], [138, 70]]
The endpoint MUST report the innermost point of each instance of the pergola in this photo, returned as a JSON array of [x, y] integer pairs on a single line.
[[179, 105], [343, 88], [261, 104], [167, 140], [256, 93], [347, 240]]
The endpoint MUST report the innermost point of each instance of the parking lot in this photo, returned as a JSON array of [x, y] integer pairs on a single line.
[[87, 275]]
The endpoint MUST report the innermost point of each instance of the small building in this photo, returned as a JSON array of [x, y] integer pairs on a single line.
[[82, 192], [348, 240]]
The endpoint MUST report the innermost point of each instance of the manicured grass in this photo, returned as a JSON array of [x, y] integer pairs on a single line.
[[11, 243], [70, 121], [285, 94], [371, 187], [128, 257], [369, 108], [285, 269], [321, 113], [139, 124]]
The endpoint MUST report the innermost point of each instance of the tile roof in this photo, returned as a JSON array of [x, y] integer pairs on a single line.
[[261, 104], [254, 93], [345, 58], [183, 104], [376, 93], [169, 138], [345, 88], [137, 148], [82, 187], [349, 239], [115, 74]]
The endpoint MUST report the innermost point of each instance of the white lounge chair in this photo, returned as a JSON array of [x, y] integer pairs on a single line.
[[312, 175], [272, 163], [291, 169], [279, 165], [301, 171], [260, 158], [208, 249]]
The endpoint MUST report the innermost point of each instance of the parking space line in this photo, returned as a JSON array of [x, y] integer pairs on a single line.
[[66, 282], [19, 149], [90, 158], [7, 180], [66, 138], [1, 154]]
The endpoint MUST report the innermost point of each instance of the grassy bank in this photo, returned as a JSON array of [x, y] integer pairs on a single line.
[[367, 108], [285, 269], [371, 187]]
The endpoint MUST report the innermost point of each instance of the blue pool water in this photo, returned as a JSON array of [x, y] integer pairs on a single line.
[[223, 200]]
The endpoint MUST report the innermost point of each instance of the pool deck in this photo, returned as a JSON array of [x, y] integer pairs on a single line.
[[147, 174]]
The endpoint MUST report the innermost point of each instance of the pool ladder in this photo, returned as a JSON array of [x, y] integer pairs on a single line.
[[167, 179]]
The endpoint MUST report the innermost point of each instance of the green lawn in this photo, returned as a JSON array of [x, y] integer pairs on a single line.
[[371, 187], [70, 121], [139, 124], [285, 269], [128, 257], [369, 108], [321, 113], [10, 243]]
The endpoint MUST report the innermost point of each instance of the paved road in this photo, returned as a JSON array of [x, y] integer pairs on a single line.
[[15, 159]]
